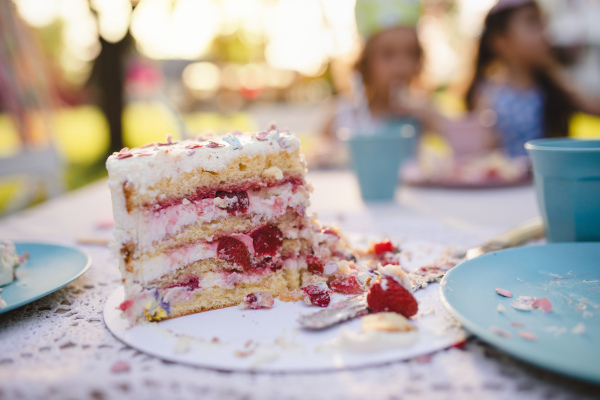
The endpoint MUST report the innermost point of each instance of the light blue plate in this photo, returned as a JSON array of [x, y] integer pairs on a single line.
[[49, 268], [568, 274]]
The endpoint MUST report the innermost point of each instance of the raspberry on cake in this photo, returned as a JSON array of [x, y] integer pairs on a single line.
[[201, 224]]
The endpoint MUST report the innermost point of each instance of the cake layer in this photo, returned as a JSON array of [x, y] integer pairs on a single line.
[[217, 291], [296, 240], [169, 287], [216, 297], [201, 268], [149, 271], [288, 223], [177, 170], [205, 219], [162, 260]]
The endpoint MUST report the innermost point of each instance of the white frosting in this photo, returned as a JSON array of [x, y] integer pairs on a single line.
[[379, 332], [171, 160], [9, 262], [360, 342], [397, 273], [386, 322]]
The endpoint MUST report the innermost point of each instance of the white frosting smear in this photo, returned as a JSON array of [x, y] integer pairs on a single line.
[[360, 342]]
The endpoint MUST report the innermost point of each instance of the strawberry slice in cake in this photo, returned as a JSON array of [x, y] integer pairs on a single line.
[[391, 293], [202, 224]]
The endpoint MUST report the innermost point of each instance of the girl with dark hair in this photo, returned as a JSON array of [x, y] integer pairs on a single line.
[[517, 79]]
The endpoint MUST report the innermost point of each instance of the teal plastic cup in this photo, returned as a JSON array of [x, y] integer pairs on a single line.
[[567, 182], [377, 158]]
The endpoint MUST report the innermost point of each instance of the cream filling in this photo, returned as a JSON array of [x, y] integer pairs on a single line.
[[154, 226], [210, 280], [150, 269]]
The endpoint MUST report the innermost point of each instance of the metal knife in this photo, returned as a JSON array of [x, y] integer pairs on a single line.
[[521, 234], [357, 306]]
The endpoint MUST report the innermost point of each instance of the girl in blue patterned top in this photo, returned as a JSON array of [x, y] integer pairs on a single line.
[[516, 78]]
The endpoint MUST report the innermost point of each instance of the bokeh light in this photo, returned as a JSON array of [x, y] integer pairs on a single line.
[[204, 78], [113, 18], [178, 30]]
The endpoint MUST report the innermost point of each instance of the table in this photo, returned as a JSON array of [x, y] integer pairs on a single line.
[[59, 348]]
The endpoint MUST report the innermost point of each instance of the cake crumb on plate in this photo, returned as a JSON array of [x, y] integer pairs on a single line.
[[504, 292]]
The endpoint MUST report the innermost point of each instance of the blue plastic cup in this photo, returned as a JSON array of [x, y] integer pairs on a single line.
[[567, 182], [377, 158]]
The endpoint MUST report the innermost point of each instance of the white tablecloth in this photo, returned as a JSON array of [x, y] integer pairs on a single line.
[[59, 348]]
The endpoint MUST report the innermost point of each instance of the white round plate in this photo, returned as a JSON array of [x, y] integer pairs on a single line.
[[272, 341]]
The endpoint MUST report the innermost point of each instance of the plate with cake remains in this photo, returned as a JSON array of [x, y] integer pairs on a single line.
[[271, 339], [220, 256], [30, 271], [493, 170], [540, 304]]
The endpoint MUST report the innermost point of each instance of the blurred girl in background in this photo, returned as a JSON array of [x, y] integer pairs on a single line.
[[387, 70], [516, 78]]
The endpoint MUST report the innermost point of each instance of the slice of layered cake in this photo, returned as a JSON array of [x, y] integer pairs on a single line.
[[202, 224]]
